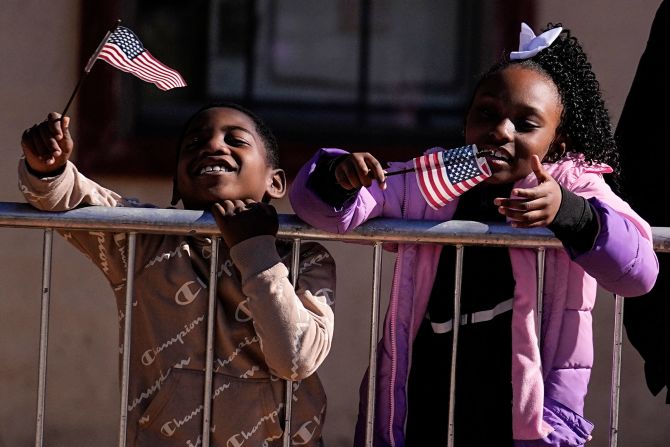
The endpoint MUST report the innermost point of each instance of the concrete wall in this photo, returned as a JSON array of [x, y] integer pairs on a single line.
[[613, 33], [38, 42]]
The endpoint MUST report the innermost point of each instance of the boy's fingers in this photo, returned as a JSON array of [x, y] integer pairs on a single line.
[[240, 205], [49, 154], [40, 149], [65, 124], [227, 207], [55, 124], [217, 210], [49, 141]]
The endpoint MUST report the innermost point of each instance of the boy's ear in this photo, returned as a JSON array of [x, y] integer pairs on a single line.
[[276, 184]]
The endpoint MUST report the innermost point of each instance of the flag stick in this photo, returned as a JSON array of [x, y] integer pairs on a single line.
[[89, 65], [402, 171]]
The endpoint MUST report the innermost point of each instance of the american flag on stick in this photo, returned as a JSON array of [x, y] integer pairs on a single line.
[[124, 51], [445, 175]]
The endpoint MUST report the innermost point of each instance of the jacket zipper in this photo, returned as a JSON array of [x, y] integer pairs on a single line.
[[394, 302]]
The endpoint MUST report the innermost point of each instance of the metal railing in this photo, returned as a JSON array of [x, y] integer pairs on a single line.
[[184, 222]]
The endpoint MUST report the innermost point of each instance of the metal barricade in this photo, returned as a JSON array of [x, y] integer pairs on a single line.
[[161, 221]]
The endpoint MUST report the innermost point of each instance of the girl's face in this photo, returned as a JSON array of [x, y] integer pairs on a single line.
[[515, 114]]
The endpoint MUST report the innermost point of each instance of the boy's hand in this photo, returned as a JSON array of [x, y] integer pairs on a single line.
[[359, 169], [538, 206], [239, 220], [48, 145]]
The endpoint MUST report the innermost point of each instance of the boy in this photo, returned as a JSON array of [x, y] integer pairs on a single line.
[[265, 329]]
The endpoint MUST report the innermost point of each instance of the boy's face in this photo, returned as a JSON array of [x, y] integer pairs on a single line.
[[222, 157], [516, 114]]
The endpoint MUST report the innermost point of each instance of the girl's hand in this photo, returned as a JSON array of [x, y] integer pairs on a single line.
[[359, 169], [537, 206], [48, 145], [240, 220]]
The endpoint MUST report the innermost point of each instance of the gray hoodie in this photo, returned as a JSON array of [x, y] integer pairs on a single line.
[[265, 330]]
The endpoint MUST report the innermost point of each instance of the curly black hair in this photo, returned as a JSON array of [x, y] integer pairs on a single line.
[[585, 120], [269, 140]]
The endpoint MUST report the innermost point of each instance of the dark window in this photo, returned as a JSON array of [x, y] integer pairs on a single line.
[[389, 76]]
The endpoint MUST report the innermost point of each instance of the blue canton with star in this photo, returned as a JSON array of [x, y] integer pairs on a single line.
[[461, 164], [127, 41]]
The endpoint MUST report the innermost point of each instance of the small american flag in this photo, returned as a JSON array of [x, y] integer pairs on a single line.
[[124, 51], [445, 175]]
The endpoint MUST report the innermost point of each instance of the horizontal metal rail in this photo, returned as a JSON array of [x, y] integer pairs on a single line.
[[376, 231], [173, 221]]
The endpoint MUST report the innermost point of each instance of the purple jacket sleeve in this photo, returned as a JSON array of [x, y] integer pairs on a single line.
[[570, 429], [621, 260], [313, 210]]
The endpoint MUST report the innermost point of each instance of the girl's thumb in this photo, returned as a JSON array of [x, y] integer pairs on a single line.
[[539, 171]]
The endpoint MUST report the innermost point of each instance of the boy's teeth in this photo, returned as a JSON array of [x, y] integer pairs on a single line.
[[214, 169]]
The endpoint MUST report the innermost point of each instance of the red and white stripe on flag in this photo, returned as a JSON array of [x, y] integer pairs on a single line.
[[444, 175], [144, 66], [124, 51]]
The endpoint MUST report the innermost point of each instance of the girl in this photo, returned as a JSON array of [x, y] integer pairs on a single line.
[[540, 116]]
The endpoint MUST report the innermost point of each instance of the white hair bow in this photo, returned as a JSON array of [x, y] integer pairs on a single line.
[[530, 45]]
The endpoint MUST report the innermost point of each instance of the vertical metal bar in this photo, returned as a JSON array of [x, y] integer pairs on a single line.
[[540, 291], [374, 335], [454, 344], [209, 354], [44, 336], [288, 390], [616, 370], [125, 367]]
